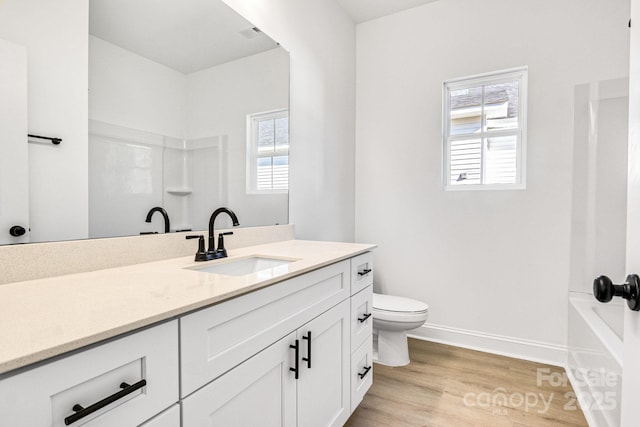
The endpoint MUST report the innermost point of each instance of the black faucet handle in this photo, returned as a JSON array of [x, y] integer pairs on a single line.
[[221, 252], [201, 255]]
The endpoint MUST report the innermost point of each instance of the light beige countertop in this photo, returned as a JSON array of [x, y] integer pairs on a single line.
[[44, 318]]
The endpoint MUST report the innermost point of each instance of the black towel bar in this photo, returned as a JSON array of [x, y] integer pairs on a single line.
[[54, 141]]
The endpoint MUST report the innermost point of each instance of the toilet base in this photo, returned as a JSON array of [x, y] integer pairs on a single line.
[[391, 348]]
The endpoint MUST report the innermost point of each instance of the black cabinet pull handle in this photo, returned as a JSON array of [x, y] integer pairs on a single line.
[[81, 412], [365, 372], [364, 318], [296, 347], [308, 358], [364, 272]]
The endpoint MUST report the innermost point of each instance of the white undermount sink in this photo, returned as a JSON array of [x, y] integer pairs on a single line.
[[243, 266]]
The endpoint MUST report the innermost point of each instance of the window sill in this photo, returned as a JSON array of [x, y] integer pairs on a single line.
[[266, 192], [485, 187]]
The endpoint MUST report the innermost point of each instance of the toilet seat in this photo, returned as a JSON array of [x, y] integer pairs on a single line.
[[398, 309]]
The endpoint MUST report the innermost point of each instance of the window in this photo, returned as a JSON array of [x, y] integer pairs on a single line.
[[484, 131], [268, 152]]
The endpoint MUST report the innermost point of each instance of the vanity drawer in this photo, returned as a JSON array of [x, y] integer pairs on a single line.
[[361, 373], [361, 272], [361, 317], [216, 339], [45, 395]]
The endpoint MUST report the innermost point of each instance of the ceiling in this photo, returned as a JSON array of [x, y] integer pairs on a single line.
[[365, 10], [192, 35], [186, 35]]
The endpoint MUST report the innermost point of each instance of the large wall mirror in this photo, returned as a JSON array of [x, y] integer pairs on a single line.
[[188, 111]]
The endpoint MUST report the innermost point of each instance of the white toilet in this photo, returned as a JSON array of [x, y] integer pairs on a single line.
[[392, 318]]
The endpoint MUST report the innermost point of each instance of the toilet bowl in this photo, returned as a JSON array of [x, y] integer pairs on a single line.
[[392, 317]]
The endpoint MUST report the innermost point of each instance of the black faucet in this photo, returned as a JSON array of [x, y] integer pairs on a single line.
[[164, 215], [221, 252]]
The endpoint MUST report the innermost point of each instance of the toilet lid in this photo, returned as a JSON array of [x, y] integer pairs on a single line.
[[398, 304]]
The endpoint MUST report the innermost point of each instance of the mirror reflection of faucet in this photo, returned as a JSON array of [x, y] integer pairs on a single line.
[[165, 216]]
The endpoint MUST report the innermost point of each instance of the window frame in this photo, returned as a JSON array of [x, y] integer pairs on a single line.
[[253, 154], [486, 79]]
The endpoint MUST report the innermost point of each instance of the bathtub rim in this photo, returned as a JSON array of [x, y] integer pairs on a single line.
[[584, 305]]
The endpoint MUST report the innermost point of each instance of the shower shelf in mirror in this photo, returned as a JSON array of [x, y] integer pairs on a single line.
[[179, 191]]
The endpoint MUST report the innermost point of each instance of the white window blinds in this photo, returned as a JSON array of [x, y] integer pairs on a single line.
[[268, 152]]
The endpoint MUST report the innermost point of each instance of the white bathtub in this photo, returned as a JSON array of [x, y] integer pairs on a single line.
[[595, 357]]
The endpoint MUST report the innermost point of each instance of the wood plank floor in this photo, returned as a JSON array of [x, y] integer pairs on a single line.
[[447, 386]]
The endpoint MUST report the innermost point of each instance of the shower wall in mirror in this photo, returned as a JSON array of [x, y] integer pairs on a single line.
[[171, 85]]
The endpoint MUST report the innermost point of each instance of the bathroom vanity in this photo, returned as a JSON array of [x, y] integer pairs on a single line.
[[168, 344]]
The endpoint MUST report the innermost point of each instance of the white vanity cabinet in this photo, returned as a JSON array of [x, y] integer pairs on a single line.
[[274, 388], [323, 317], [309, 317], [296, 353], [218, 338]]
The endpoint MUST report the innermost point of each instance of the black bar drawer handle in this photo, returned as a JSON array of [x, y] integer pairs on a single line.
[[366, 371], [296, 347], [81, 412], [308, 358], [364, 318], [364, 272]]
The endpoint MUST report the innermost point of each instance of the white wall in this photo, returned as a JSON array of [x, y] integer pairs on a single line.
[[488, 263], [321, 40], [55, 35], [219, 99], [132, 91]]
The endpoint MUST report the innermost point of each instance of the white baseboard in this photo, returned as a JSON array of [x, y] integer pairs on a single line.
[[534, 351]]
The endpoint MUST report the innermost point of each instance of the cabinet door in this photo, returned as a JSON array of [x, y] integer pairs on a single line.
[[259, 392], [324, 383]]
